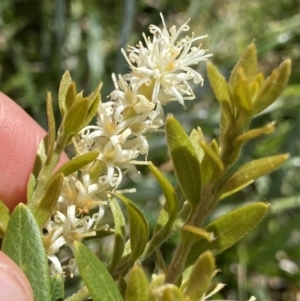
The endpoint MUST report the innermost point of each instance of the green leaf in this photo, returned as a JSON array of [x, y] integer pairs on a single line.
[[51, 127], [229, 229], [249, 172], [57, 288], [94, 100], [120, 234], [63, 88], [170, 209], [218, 83], [170, 292], [196, 136], [23, 243], [95, 275], [272, 87], [191, 234], [31, 186], [70, 96], [139, 231], [4, 218], [248, 63], [137, 285], [185, 160], [200, 277], [41, 156], [75, 117], [49, 200], [251, 134], [77, 163]]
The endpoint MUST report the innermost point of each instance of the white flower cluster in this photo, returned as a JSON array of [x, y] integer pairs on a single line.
[[160, 71]]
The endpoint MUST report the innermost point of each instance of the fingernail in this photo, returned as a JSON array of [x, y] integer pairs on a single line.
[[13, 283]]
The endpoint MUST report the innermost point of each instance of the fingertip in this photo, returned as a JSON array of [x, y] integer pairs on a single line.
[[13, 283]]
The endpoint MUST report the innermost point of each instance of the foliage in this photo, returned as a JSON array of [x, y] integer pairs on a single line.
[[224, 173]]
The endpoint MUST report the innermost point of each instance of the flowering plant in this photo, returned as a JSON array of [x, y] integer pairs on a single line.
[[66, 205]]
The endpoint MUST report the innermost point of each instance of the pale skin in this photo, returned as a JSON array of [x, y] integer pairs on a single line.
[[19, 138]]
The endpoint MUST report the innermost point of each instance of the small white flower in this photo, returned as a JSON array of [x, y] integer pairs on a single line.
[[164, 64]]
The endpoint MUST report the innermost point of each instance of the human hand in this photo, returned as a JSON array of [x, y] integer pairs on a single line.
[[19, 138]]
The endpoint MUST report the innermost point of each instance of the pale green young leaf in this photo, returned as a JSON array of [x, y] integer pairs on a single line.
[[137, 285], [70, 96], [99, 282], [218, 83], [96, 170], [77, 163], [31, 186], [272, 87], [229, 229], [248, 63], [120, 234], [156, 281], [51, 127], [251, 134], [170, 209], [23, 243], [241, 94], [48, 202], [57, 288], [185, 160], [75, 117], [249, 172], [64, 85], [94, 101], [170, 292], [139, 231], [196, 136], [200, 277], [191, 234], [41, 156], [92, 110], [4, 218]]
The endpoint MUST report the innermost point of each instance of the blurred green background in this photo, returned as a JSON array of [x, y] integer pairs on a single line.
[[40, 39]]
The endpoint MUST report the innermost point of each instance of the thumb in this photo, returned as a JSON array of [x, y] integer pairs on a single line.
[[13, 283]]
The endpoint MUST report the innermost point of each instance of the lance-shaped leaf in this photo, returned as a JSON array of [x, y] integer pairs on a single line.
[[77, 163], [249, 172], [99, 282], [70, 96], [51, 127], [23, 243], [229, 229], [185, 160], [57, 288], [248, 63], [211, 166], [4, 218], [94, 101], [241, 94], [196, 136], [120, 234], [251, 134], [49, 200], [272, 87], [75, 117], [200, 277], [218, 83], [170, 292], [139, 231], [63, 88], [137, 285], [169, 212], [192, 234]]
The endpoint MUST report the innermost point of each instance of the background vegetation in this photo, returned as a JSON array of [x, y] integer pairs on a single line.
[[40, 39]]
